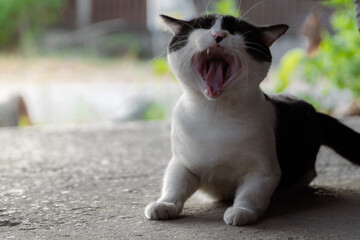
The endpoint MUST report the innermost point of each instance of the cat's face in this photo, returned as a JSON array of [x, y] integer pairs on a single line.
[[218, 55]]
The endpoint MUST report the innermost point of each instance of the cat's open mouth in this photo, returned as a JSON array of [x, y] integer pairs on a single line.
[[216, 68]]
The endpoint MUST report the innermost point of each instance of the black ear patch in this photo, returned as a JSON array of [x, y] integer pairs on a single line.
[[272, 33], [172, 25], [181, 29], [257, 39]]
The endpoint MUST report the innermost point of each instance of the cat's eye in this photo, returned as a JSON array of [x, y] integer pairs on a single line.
[[236, 32]]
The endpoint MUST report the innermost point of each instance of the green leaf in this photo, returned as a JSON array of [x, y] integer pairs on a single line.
[[287, 67]]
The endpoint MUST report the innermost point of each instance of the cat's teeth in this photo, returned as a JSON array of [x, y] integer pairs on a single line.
[[208, 51], [207, 91], [227, 74]]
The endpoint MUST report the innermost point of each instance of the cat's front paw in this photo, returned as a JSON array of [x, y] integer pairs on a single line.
[[161, 210], [239, 216]]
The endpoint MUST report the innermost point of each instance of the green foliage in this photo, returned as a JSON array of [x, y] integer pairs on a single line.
[[227, 7], [287, 68], [336, 64], [160, 66], [338, 60], [339, 3], [25, 18], [156, 111]]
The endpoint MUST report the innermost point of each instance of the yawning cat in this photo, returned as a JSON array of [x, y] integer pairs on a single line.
[[229, 139]]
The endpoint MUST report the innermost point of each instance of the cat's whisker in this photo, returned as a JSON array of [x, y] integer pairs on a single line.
[[252, 8], [187, 62], [179, 43], [259, 51], [189, 25], [246, 44], [243, 61], [180, 40], [159, 55], [239, 8], [206, 5], [242, 134], [244, 34], [184, 63], [256, 44], [184, 60], [163, 52]]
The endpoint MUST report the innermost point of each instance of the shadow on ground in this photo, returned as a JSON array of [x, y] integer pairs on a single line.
[[313, 213], [93, 182]]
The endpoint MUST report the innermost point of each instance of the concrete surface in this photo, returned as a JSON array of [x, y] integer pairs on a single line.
[[93, 182]]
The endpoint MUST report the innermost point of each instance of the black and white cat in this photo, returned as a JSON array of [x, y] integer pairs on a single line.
[[229, 139]]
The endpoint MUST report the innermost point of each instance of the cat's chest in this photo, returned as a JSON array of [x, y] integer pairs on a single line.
[[214, 131], [204, 138]]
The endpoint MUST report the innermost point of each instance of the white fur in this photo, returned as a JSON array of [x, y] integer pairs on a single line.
[[224, 147]]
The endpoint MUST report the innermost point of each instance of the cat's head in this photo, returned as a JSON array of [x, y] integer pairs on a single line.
[[218, 55]]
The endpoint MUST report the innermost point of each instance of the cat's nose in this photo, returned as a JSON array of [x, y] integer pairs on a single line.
[[218, 36]]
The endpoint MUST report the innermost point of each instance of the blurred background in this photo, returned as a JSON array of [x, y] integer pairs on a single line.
[[87, 61]]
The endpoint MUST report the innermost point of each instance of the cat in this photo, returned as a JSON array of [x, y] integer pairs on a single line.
[[229, 139]]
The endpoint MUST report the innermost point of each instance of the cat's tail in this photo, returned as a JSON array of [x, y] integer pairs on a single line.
[[340, 138]]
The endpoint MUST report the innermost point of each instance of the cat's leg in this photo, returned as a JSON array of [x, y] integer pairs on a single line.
[[251, 199], [179, 185]]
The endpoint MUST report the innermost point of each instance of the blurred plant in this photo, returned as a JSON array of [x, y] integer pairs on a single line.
[[227, 7], [156, 111], [224, 7], [24, 121], [21, 20], [160, 66], [287, 68], [338, 60]]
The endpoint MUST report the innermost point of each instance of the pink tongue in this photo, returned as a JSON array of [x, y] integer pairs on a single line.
[[214, 79]]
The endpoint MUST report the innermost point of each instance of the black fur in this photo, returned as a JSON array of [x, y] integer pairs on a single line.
[[252, 35], [339, 137], [180, 39], [300, 131]]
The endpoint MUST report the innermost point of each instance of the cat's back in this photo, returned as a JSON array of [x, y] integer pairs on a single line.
[[294, 116], [298, 138], [289, 104]]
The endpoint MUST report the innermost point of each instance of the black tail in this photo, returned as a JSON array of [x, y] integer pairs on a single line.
[[341, 138]]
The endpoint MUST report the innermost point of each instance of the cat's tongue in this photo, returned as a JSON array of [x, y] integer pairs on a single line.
[[214, 79]]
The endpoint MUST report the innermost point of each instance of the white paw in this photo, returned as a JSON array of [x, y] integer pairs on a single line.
[[239, 216], [161, 210]]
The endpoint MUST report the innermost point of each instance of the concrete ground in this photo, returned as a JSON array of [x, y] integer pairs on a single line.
[[93, 182]]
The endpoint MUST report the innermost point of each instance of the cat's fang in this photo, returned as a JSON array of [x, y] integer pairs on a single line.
[[215, 69], [227, 75], [204, 72], [207, 91]]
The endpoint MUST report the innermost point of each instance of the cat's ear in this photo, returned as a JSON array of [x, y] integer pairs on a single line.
[[272, 33], [172, 25]]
